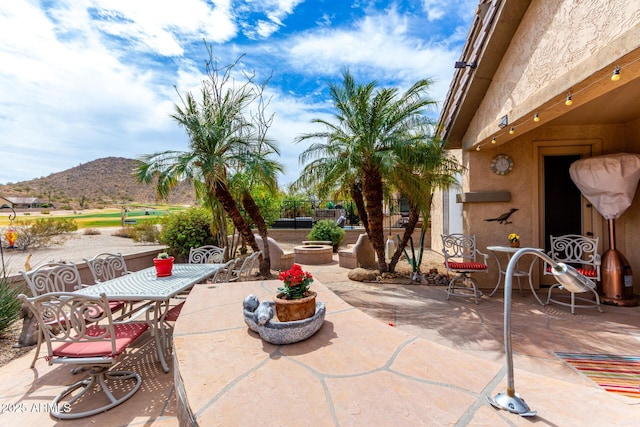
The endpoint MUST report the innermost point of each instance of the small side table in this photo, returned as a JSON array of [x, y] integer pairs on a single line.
[[517, 273]]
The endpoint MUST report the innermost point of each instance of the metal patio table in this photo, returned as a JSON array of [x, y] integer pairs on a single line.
[[144, 285], [517, 273]]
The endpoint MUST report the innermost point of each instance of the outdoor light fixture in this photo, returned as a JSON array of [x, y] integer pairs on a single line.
[[512, 130], [478, 148], [463, 64], [616, 74], [571, 280], [493, 140], [568, 101], [536, 117]]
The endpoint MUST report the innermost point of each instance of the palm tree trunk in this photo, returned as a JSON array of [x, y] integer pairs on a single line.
[[356, 195], [372, 191], [253, 210], [229, 204], [414, 216]]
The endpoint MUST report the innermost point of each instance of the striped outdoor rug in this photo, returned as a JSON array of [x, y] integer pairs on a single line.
[[616, 374]]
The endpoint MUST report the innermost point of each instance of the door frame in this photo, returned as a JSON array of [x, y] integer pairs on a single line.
[[583, 147]]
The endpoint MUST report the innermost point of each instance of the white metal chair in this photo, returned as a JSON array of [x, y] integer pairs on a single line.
[[106, 266], [223, 274], [246, 268], [206, 254], [56, 277], [53, 277], [79, 330], [463, 258], [581, 253]]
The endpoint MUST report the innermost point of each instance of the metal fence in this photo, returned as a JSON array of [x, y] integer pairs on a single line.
[[304, 213]]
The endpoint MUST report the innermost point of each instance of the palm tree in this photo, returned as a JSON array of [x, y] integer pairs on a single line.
[[222, 142], [376, 141]]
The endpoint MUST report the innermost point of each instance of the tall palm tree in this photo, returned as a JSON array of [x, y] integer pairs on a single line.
[[374, 141], [222, 143]]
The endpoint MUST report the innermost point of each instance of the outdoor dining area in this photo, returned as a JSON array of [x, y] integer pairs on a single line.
[[385, 353]]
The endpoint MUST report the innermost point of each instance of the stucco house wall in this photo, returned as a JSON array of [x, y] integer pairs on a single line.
[[559, 47]]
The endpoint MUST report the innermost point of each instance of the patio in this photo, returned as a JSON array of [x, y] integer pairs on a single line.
[[456, 330]]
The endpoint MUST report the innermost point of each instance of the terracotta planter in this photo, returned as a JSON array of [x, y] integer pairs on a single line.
[[515, 244], [164, 266], [295, 309]]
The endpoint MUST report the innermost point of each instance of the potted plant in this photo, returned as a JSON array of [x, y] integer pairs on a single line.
[[294, 300], [164, 264], [514, 240]]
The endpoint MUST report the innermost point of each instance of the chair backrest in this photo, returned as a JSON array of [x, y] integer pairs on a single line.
[[67, 318], [459, 246], [106, 266], [248, 265], [206, 254], [53, 277], [223, 274], [577, 251]]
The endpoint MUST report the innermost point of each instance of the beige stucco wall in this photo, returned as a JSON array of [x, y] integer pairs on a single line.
[[558, 45]]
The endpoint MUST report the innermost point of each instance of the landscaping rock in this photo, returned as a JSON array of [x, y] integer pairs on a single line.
[[362, 275]]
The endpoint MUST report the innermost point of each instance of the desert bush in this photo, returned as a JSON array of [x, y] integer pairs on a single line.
[[91, 232], [147, 231], [43, 233], [9, 304], [124, 232], [327, 229], [184, 230]]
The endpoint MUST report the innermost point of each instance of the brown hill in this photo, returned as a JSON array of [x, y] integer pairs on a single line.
[[99, 183]]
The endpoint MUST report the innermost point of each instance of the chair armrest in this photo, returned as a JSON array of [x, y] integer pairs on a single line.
[[485, 256]]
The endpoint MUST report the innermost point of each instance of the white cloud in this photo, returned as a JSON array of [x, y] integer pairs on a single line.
[[83, 80]]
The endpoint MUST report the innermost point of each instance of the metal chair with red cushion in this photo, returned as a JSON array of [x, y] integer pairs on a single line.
[[56, 277], [79, 330], [462, 258], [581, 253]]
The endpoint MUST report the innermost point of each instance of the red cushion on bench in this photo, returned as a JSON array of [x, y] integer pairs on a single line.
[[466, 265], [126, 333]]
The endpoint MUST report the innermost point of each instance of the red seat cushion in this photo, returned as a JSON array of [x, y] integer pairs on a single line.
[[467, 266], [125, 334], [587, 272], [172, 315]]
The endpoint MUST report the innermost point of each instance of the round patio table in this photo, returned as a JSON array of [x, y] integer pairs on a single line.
[[517, 273]]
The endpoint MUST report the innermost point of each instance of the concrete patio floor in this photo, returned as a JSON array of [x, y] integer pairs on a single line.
[[457, 328]]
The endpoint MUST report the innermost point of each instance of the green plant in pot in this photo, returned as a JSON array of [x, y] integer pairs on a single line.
[[164, 264]]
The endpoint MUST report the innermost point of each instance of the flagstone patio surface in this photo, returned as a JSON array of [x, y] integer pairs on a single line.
[[387, 355]]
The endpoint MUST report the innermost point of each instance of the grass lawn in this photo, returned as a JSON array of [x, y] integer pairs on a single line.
[[96, 218]]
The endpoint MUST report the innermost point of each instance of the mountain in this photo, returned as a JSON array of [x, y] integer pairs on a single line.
[[99, 183]]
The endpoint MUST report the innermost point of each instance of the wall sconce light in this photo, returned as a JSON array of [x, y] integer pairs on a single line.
[[462, 64], [512, 130], [569, 278], [536, 117], [504, 121], [616, 74], [493, 140], [568, 101]]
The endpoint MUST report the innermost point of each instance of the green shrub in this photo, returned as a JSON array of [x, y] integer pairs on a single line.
[[9, 304], [327, 229], [183, 230], [147, 232]]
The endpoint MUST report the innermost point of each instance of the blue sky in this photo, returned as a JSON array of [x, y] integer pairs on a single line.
[[85, 79]]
